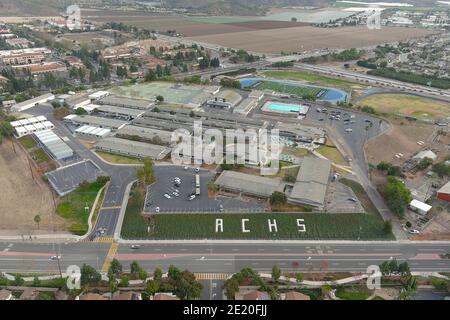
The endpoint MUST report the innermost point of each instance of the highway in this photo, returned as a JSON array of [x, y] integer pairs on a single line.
[[214, 257]]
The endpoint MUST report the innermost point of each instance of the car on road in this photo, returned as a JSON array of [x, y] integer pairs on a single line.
[[167, 196], [186, 168], [348, 130], [352, 200], [321, 119], [54, 258], [197, 169], [157, 209], [135, 246]]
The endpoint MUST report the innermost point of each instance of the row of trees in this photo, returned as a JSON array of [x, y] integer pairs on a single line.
[[422, 79]]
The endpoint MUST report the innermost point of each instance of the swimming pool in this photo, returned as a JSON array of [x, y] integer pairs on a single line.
[[278, 107]]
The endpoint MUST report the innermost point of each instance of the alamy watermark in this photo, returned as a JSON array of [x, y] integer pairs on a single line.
[[373, 18], [73, 20], [229, 146], [73, 281]]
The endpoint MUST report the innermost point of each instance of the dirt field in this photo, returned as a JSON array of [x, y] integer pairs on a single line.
[[309, 38], [22, 197], [268, 24], [408, 105], [400, 139]]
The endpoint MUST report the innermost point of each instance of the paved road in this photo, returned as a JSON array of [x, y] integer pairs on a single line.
[[229, 258]]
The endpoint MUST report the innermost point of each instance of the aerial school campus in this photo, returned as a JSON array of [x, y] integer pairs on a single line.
[[93, 119]]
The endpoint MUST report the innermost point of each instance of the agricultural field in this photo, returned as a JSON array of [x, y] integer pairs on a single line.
[[290, 89], [309, 38], [409, 105]]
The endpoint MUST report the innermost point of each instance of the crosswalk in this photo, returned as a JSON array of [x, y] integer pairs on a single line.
[[212, 276], [111, 253], [100, 239]]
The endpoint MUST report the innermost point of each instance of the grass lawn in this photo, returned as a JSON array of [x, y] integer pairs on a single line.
[[288, 207], [407, 105], [312, 78], [28, 142], [202, 226], [40, 156], [72, 206], [362, 196], [298, 152], [353, 293], [115, 158], [333, 154]]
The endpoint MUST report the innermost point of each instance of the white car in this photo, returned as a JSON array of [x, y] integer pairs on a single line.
[[167, 196], [349, 130], [157, 209], [176, 194], [53, 258], [414, 231], [192, 197], [197, 169]]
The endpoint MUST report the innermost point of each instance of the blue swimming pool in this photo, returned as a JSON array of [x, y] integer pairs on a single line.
[[285, 108]]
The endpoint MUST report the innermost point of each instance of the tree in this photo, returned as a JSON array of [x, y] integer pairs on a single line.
[[18, 281], [145, 174], [115, 268], [278, 197], [157, 274], [89, 275], [159, 71], [173, 272], [124, 281], [442, 169], [152, 287], [150, 76], [393, 266], [403, 269], [384, 268], [299, 277], [276, 273], [135, 267], [398, 196], [80, 111], [36, 282], [37, 219], [187, 287], [160, 98], [409, 286], [231, 287]]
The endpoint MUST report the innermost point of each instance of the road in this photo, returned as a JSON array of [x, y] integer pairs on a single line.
[[229, 257]]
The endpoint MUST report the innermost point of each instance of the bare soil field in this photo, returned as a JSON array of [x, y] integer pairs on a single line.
[[268, 24], [310, 38], [181, 25], [21, 196], [24, 19], [399, 139]]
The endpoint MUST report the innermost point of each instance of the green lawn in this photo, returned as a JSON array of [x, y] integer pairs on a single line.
[[310, 77], [116, 158], [40, 156], [28, 142], [353, 293], [202, 226], [362, 196], [333, 154], [72, 206]]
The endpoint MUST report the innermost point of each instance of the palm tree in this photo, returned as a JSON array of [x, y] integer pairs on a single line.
[[37, 219]]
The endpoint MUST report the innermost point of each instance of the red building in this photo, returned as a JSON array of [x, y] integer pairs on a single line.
[[444, 192]]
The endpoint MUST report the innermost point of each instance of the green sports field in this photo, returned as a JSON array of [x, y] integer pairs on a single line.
[[290, 89]]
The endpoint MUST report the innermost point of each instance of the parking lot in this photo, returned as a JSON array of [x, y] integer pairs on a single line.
[[179, 202], [342, 199]]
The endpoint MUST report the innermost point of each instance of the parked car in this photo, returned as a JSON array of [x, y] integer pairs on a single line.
[[157, 209], [167, 196], [349, 130], [414, 231], [191, 197]]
